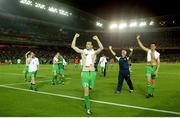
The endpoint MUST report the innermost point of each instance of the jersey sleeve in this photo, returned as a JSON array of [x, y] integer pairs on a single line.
[[37, 61], [105, 60], [64, 62], [117, 57], [100, 60]]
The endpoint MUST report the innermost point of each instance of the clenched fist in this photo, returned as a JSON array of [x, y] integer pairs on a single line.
[[95, 38], [110, 47], [131, 49], [77, 35], [138, 36]]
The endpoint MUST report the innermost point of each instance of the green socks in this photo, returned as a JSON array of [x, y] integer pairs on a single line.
[[25, 77], [54, 79], [58, 80], [87, 102], [62, 79], [150, 89]]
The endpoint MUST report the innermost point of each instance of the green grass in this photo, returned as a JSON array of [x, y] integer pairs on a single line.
[[25, 103]]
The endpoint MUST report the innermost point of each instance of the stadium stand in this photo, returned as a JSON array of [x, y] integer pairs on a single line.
[[20, 32]]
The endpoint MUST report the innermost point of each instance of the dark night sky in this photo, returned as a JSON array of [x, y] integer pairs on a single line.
[[117, 9]]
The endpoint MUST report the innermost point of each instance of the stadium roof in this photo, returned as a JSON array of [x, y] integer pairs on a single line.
[[111, 9], [79, 19], [85, 14]]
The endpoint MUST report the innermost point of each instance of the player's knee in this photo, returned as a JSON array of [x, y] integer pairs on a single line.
[[86, 91]]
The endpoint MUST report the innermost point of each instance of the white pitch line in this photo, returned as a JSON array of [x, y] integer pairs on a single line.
[[96, 101]]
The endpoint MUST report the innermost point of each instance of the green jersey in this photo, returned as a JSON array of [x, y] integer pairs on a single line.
[[60, 60]]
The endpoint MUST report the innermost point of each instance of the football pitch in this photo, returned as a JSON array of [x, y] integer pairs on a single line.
[[67, 100]]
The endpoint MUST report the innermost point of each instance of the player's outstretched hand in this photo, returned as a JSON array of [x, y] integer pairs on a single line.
[[110, 47], [138, 36], [131, 49], [77, 35], [95, 38]]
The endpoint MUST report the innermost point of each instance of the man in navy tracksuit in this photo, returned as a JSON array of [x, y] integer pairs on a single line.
[[123, 69]]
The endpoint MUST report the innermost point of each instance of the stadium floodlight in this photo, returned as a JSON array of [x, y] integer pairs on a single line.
[[43, 6], [122, 25], [142, 24], [66, 13], [63, 12], [151, 23], [53, 9], [99, 24], [70, 14], [27, 2], [133, 24], [38, 5], [113, 26]]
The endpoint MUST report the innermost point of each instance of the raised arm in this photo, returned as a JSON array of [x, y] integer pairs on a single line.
[[26, 55], [99, 44], [131, 52], [140, 44], [54, 61], [73, 45], [37, 64], [110, 48]]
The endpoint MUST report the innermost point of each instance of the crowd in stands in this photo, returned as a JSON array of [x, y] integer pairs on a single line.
[[32, 30], [128, 39], [168, 43], [10, 54], [37, 31]]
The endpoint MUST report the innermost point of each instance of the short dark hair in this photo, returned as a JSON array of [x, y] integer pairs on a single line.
[[152, 43]]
